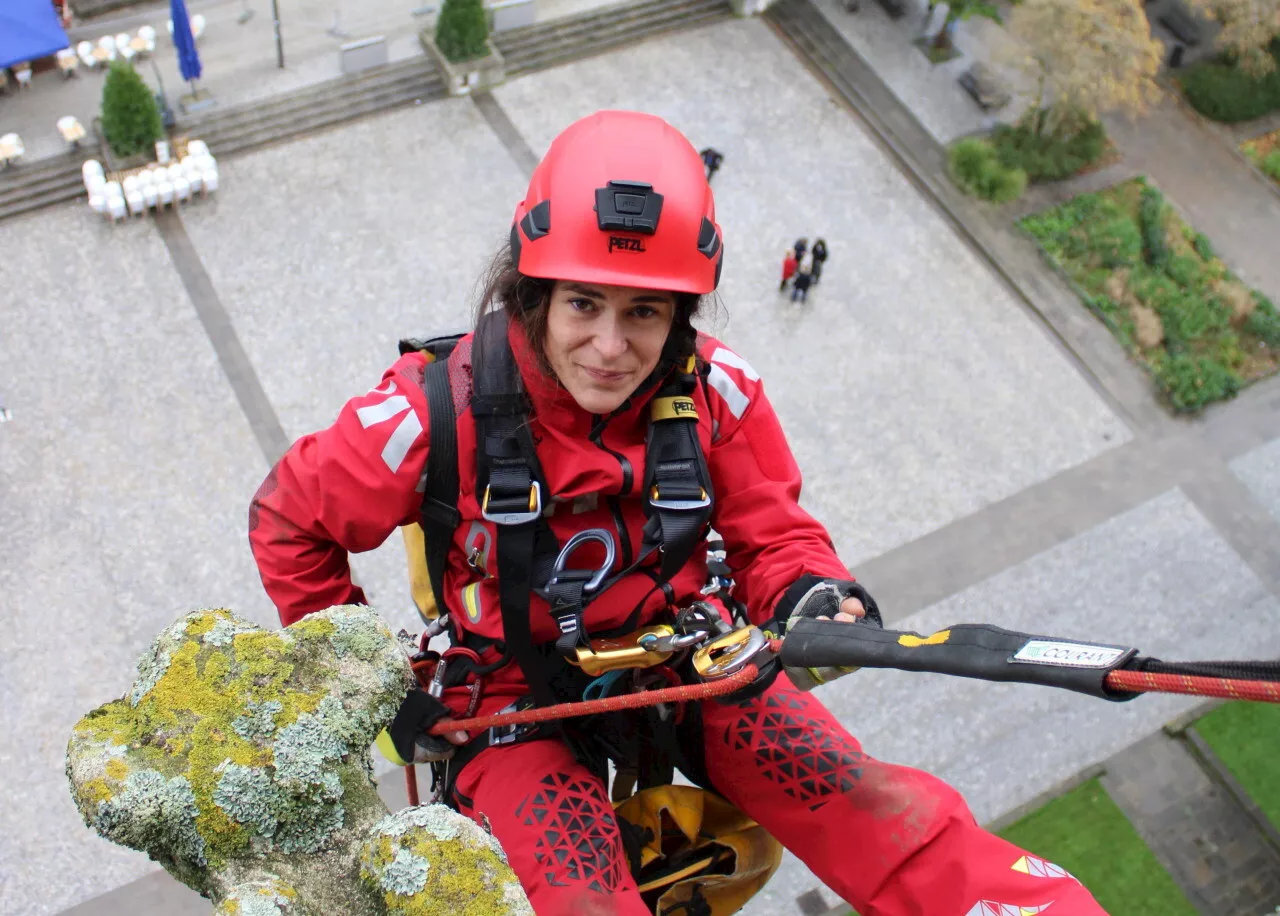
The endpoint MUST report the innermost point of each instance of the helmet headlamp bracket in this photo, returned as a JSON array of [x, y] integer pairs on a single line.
[[629, 206]]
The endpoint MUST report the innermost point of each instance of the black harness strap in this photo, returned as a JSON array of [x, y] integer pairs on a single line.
[[439, 515], [677, 485], [511, 491]]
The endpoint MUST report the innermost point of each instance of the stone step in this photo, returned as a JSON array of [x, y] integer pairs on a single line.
[[341, 87], [537, 57], [242, 134], [575, 26]]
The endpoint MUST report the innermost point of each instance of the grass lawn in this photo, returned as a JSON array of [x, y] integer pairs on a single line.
[[1246, 736], [1264, 152], [1161, 290], [1085, 833]]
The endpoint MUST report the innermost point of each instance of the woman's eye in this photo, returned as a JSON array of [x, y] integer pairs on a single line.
[[581, 305], [644, 311]]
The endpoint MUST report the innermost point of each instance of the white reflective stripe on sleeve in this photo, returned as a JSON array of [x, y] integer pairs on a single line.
[[401, 440], [383, 410], [729, 358], [718, 379]]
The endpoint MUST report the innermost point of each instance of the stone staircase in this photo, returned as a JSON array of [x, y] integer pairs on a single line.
[[236, 129], [546, 44], [253, 125]]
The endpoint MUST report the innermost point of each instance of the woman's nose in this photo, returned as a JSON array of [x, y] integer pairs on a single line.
[[611, 342]]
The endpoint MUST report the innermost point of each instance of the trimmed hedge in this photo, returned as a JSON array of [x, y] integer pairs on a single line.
[[130, 118], [1220, 90], [462, 30]]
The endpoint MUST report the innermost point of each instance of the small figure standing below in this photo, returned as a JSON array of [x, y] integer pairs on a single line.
[[800, 247], [817, 258], [790, 263], [711, 158], [800, 286]]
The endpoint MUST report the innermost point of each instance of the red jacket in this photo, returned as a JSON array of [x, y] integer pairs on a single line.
[[789, 266], [347, 488]]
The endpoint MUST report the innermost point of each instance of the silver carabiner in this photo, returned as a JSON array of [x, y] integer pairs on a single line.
[[599, 535], [729, 653]]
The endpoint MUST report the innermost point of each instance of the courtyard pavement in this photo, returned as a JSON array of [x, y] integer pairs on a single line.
[[155, 368]]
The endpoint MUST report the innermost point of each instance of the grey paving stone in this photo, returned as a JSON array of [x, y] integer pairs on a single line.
[[914, 389], [1260, 472], [122, 506], [327, 251], [1157, 577], [931, 91]]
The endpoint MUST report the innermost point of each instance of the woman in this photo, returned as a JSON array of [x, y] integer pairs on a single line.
[[591, 306]]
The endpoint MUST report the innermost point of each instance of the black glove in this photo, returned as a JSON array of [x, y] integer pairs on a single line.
[[408, 730], [812, 596]]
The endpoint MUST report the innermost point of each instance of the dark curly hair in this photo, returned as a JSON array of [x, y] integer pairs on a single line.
[[526, 299]]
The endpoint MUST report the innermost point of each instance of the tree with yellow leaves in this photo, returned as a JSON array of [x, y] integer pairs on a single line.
[[1089, 57], [1248, 28]]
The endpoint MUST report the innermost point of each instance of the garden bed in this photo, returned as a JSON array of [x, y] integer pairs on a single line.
[[1264, 152], [1161, 290], [1246, 738], [1088, 835], [1221, 91]]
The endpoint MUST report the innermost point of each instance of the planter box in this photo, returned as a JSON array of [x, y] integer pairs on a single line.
[[113, 163], [511, 14], [468, 76]]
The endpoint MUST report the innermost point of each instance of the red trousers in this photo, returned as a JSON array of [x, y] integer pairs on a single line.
[[890, 840]]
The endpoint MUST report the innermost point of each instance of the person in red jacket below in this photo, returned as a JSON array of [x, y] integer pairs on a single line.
[[592, 303]]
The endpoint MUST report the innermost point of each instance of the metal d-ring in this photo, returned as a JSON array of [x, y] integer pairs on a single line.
[[601, 536]]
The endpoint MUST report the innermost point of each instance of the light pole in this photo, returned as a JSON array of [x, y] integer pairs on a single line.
[[275, 21]]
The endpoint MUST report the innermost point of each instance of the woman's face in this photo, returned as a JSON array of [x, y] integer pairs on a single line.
[[603, 341]]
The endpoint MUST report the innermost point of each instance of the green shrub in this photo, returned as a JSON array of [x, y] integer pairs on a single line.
[[1116, 242], [1194, 381], [1049, 156], [1203, 247], [462, 30], [1185, 270], [1151, 214], [1271, 165], [977, 170], [1264, 322], [1222, 91], [130, 119]]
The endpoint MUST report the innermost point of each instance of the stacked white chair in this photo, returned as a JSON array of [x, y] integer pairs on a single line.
[[150, 193], [123, 47], [84, 50], [116, 207], [91, 168], [148, 34], [197, 148], [108, 44], [164, 188], [191, 169], [181, 186], [14, 145], [197, 26]]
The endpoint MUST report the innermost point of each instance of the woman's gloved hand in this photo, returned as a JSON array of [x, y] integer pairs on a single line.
[[823, 599], [408, 730]]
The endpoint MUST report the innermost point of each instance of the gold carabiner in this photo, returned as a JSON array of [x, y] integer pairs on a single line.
[[729, 653], [605, 655]]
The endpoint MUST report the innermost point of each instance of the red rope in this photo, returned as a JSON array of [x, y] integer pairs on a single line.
[[609, 704], [1226, 688]]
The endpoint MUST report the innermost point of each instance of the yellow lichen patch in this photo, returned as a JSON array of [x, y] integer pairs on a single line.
[[117, 768], [464, 880], [94, 791], [312, 627], [203, 623]]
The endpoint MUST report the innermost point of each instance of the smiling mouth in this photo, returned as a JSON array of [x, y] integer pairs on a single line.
[[601, 375]]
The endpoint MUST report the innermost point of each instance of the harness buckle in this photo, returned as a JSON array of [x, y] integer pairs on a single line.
[[656, 500], [514, 518], [729, 653]]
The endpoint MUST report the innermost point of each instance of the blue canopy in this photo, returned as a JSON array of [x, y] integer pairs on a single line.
[[184, 41], [29, 29]]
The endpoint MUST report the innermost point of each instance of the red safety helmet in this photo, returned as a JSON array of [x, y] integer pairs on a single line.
[[621, 198]]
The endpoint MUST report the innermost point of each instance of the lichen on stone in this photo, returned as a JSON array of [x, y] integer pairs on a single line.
[[259, 720], [240, 755], [405, 875]]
